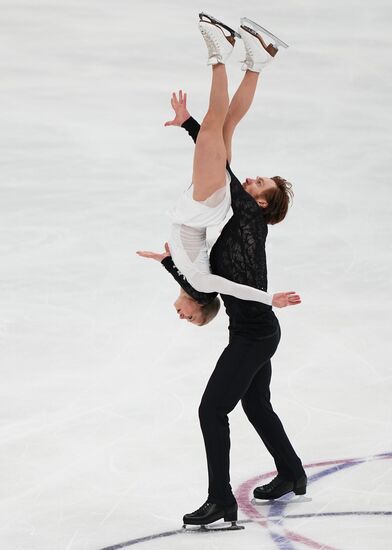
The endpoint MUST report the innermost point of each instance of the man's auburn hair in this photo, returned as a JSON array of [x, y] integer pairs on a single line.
[[278, 200]]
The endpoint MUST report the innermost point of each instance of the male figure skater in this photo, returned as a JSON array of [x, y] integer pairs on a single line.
[[243, 371]]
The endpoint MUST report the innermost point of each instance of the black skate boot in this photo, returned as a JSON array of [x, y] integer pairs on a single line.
[[279, 487], [210, 512]]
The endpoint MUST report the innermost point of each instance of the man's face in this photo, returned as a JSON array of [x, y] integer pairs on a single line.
[[188, 309], [256, 188]]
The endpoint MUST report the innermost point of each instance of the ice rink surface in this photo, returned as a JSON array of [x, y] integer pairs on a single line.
[[100, 382]]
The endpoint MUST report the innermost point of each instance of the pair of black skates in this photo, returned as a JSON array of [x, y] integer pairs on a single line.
[[210, 513]]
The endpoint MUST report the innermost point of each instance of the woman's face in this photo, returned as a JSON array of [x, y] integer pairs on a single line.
[[187, 308]]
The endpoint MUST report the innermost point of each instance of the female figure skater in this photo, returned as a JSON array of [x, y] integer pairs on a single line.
[[207, 201]]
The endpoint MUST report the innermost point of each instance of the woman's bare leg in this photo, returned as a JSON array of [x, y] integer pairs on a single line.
[[209, 161], [239, 106]]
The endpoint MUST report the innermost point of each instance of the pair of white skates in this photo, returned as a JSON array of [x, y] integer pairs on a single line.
[[220, 44]]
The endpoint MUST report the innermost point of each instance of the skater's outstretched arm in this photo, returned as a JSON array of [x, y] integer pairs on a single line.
[[204, 287], [239, 106], [207, 282]]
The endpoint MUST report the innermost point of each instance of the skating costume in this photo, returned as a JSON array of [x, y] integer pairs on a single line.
[[243, 371], [188, 245]]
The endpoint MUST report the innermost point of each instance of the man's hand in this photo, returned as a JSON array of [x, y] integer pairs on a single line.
[[155, 255], [283, 299], [179, 106]]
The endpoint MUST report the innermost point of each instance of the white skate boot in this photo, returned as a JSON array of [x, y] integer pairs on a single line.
[[219, 44], [258, 53]]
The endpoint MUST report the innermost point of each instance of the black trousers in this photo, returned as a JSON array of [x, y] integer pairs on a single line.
[[243, 372]]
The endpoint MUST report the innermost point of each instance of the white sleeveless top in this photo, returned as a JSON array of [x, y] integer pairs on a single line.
[[190, 218]]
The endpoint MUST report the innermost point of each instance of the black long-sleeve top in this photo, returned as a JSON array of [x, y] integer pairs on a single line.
[[239, 255]]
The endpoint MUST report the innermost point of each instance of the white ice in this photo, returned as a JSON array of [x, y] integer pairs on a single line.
[[100, 382]]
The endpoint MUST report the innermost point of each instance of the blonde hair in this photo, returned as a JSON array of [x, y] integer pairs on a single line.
[[210, 311]]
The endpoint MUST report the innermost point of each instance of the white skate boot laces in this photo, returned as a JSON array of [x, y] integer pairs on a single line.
[[219, 45], [257, 53]]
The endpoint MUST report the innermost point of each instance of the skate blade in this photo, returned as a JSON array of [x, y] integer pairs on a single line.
[[215, 21], [256, 26], [276, 502], [207, 528]]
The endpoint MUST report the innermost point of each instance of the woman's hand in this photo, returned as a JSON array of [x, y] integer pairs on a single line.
[[155, 255], [179, 106], [283, 299]]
